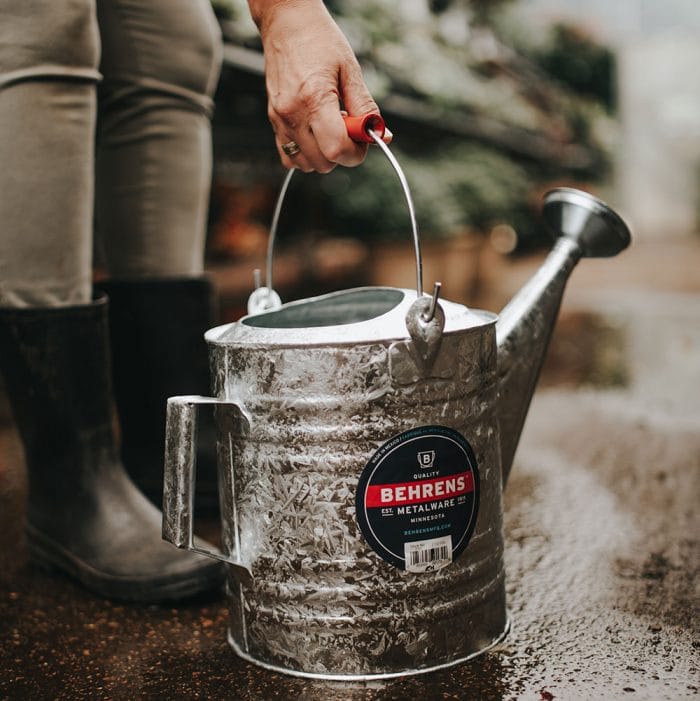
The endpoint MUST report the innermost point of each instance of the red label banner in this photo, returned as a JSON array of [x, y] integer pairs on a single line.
[[419, 491]]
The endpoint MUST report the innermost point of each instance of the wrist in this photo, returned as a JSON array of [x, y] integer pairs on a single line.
[[262, 11]]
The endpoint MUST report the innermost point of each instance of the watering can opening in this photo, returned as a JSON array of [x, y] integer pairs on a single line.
[[336, 309]]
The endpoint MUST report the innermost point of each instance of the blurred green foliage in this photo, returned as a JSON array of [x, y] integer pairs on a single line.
[[466, 186], [539, 113], [582, 64]]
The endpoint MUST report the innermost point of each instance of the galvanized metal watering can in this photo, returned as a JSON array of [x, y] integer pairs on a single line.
[[364, 440]]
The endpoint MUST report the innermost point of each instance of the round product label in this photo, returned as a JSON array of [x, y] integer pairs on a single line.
[[417, 498]]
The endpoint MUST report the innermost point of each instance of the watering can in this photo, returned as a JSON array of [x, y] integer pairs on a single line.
[[364, 441]]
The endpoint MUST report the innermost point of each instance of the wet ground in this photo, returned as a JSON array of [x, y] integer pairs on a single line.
[[601, 538]]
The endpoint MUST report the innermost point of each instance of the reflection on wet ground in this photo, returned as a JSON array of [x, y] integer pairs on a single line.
[[601, 555]]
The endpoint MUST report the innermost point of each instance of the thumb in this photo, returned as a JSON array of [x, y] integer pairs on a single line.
[[356, 96], [353, 90]]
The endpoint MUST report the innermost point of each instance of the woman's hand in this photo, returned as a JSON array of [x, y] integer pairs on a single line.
[[310, 71]]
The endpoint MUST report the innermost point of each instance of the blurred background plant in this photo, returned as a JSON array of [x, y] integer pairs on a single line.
[[486, 117]]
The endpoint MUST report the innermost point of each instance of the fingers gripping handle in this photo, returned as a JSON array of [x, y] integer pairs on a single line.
[[179, 478]]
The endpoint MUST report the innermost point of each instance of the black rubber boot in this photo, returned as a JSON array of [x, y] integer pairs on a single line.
[[85, 516], [158, 351]]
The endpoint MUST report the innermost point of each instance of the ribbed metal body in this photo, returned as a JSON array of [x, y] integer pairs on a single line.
[[321, 601]]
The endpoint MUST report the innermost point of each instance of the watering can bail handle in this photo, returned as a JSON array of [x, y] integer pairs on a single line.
[[367, 128]]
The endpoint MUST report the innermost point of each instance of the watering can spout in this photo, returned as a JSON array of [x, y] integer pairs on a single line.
[[586, 228]]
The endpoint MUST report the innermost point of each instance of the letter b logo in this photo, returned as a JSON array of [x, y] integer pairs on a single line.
[[426, 458]]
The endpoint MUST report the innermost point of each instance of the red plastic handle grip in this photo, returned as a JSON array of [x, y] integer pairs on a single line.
[[359, 127]]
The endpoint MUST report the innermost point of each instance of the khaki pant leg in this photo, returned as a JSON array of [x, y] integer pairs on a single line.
[[48, 70], [160, 61]]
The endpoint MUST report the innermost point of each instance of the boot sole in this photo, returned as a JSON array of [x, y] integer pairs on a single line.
[[48, 554]]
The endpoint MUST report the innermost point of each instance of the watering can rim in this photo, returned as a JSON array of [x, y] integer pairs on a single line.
[[385, 327]]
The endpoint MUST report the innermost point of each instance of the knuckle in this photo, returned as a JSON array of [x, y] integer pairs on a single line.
[[335, 153], [284, 108], [316, 92]]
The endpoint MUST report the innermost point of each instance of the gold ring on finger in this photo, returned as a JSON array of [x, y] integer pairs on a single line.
[[291, 148]]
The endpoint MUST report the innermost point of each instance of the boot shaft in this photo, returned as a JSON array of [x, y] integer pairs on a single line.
[[158, 350], [157, 335], [55, 362]]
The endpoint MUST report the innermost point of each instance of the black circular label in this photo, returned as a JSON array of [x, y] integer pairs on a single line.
[[418, 497]]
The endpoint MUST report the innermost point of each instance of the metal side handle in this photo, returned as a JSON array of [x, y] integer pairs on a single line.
[[179, 478]]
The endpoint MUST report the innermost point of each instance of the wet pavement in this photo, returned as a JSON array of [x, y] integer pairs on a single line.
[[601, 532]]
